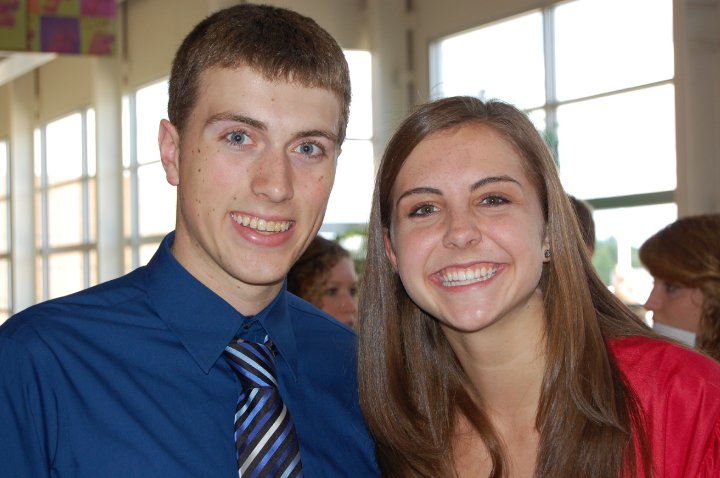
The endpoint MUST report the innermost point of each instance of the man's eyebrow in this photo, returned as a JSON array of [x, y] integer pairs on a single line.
[[236, 118], [318, 132], [261, 125]]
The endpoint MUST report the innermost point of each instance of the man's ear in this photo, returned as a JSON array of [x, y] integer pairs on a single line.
[[169, 142], [389, 251]]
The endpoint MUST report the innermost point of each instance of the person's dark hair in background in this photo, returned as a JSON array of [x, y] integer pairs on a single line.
[[584, 213]]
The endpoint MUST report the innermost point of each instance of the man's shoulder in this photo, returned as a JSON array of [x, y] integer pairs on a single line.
[[313, 317], [105, 301]]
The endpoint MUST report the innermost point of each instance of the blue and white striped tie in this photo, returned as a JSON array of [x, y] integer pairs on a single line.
[[264, 432]]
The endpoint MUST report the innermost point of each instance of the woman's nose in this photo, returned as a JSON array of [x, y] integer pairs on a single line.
[[654, 300], [462, 230]]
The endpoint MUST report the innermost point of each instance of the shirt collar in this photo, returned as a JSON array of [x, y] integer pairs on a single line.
[[276, 320], [202, 321]]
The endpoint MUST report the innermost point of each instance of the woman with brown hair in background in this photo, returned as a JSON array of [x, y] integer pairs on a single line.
[[325, 276], [684, 260]]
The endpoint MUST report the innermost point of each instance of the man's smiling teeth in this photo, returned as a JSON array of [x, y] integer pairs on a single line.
[[261, 224], [457, 277]]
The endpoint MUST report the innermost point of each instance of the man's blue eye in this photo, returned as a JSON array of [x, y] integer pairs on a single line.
[[310, 149], [237, 137]]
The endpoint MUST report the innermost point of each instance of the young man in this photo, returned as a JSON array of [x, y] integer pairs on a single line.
[[130, 378]]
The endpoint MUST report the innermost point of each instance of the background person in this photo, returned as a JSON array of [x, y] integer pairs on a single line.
[[325, 276], [488, 346], [684, 260], [584, 214], [141, 376]]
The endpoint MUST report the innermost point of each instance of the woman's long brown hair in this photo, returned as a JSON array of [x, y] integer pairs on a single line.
[[412, 388]]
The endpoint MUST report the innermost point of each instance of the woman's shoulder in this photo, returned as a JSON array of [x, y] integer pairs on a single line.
[[657, 356], [665, 376], [661, 360], [679, 390]]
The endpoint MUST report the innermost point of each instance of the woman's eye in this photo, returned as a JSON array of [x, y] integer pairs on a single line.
[[310, 149], [493, 200], [670, 287], [424, 210], [332, 292], [238, 137]]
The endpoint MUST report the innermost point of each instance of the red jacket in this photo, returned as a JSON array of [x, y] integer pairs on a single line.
[[679, 390]]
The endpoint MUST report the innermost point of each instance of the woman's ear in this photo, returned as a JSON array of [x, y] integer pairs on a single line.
[[169, 142], [547, 252], [389, 251]]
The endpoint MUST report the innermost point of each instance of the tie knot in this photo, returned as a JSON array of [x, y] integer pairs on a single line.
[[253, 363]]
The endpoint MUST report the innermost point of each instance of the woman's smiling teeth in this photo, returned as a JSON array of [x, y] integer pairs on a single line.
[[465, 276], [260, 224]]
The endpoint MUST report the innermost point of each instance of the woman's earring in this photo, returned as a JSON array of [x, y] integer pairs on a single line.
[[547, 254]]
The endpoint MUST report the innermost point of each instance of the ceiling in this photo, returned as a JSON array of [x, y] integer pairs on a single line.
[[15, 64]]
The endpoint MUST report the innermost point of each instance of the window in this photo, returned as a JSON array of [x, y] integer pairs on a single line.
[[604, 99], [351, 197], [65, 205], [149, 199], [5, 235]]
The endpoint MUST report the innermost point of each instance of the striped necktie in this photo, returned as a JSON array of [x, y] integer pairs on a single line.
[[264, 432]]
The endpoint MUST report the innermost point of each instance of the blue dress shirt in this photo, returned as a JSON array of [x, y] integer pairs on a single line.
[[127, 379]]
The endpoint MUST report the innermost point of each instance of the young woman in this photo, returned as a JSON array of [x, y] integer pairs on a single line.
[[487, 344], [684, 260], [325, 276]]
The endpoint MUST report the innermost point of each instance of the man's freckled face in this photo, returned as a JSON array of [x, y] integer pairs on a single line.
[[278, 168]]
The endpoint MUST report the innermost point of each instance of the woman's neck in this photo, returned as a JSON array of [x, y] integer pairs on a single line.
[[505, 362]]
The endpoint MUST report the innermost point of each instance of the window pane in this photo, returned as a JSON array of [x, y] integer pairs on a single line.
[[4, 209], [91, 143], [92, 210], [351, 196], [147, 251], [64, 149], [620, 233], [605, 45], [4, 226], [3, 168], [618, 145], [125, 121], [360, 64], [37, 155], [156, 199], [65, 224], [151, 105], [4, 287], [65, 273], [503, 60]]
